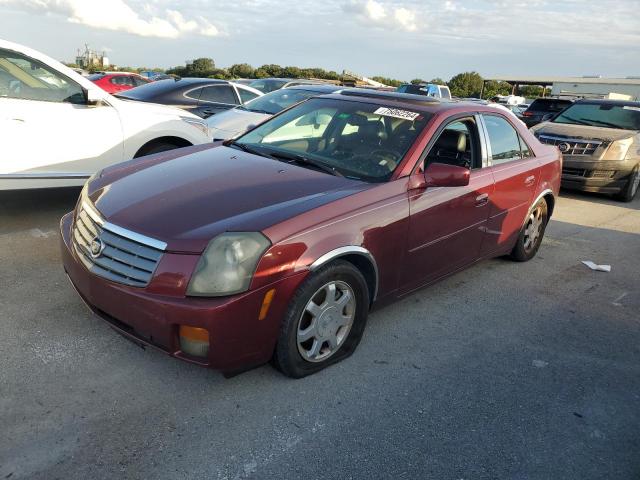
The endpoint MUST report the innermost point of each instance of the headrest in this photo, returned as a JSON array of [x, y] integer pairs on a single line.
[[453, 141]]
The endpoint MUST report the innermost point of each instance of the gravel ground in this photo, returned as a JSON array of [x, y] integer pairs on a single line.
[[506, 370]]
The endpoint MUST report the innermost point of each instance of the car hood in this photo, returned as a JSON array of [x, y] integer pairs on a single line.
[[582, 131], [187, 198], [235, 121]]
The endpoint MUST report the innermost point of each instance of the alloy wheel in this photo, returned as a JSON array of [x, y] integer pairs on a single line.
[[533, 228], [326, 321]]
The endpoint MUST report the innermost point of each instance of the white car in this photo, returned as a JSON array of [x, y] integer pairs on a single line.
[[57, 128], [236, 121]]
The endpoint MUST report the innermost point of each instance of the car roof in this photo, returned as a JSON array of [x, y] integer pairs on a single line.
[[620, 103], [409, 101], [313, 87]]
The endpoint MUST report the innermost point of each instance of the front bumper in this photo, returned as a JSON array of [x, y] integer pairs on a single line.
[[602, 176], [152, 315]]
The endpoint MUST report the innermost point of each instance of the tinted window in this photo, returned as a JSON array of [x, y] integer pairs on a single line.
[[542, 105], [524, 148], [218, 94], [139, 81], [27, 79], [359, 140], [125, 80], [246, 95], [608, 115], [504, 140], [456, 145], [266, 86], [194, 94]]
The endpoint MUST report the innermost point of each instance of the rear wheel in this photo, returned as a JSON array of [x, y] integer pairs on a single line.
[[631, 188], [325, 320], [531, 234]]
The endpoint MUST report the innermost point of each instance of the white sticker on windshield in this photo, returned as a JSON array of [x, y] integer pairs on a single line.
[[628, 107], [397, 113]]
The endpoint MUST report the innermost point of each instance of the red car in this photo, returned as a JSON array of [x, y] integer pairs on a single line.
[[277, 244], [114, 82]]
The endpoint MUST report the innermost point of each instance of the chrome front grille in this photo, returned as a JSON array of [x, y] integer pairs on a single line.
[[112, 252], [571, 146]]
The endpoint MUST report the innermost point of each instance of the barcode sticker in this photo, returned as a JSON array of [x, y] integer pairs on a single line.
[[397, 113]]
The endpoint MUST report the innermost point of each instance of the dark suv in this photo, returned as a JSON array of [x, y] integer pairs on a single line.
[[600, 143], [542, 109]]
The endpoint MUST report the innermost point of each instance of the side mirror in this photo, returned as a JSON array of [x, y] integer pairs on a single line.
[[442, 175], [94, 98]]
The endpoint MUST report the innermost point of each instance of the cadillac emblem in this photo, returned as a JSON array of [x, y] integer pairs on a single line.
[[96, 247], [564, 147]]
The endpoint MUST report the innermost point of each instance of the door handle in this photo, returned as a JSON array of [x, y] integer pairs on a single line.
[[482, 199], [529, 180]]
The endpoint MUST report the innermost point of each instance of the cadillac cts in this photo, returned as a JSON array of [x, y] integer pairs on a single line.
[[276, 245]]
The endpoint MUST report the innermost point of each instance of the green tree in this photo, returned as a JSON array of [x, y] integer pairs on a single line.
[[493, 88], [417, 81], [272, 70], [438, 81], [201, 65], [392, 82], [241, 70], [467, 84]]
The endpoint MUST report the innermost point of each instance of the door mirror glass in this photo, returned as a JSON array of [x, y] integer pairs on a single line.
[[443, 175]]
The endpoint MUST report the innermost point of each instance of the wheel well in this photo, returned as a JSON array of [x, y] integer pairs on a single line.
[[551, 201], [177, 141], [367, 269]]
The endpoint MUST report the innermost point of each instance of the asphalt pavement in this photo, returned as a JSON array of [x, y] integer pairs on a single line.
[[504, 371]]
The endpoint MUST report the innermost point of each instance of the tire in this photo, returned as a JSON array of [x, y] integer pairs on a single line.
[[155, 148], [531, 233], [628, 193], [313, 337]]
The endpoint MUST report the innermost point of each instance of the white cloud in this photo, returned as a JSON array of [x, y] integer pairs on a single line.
[[117, 15], [406, 18], [375, 13]]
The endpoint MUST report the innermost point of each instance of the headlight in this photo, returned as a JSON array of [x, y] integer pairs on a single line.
[[228, 264], [618, 149], [199, 124]]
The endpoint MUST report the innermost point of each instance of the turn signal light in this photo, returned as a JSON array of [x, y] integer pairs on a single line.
[[194, 341], [266, 303]]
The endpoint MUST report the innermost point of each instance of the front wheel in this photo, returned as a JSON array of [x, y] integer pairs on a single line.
[[531, 234], [324, 322], [631, 188]]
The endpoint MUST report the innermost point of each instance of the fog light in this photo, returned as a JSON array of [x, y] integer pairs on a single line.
[[194, 341]]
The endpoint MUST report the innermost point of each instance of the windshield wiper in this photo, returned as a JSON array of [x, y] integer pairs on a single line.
[[302, 160], [245, 148]]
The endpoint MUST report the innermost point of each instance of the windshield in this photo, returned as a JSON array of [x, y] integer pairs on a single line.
[[277, 101], [266, 86], [608, 115], [357, 140]]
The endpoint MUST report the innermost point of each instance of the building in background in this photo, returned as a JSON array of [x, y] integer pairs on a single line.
[[88, 58]]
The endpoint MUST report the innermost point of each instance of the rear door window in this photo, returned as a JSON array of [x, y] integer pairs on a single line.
[[504, 141], [219, 94]]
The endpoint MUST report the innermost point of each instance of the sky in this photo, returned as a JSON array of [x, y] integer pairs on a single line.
[[402, 39]]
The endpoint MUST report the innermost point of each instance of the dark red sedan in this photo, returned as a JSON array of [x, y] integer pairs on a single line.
[[277, 245], [114, 82]]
